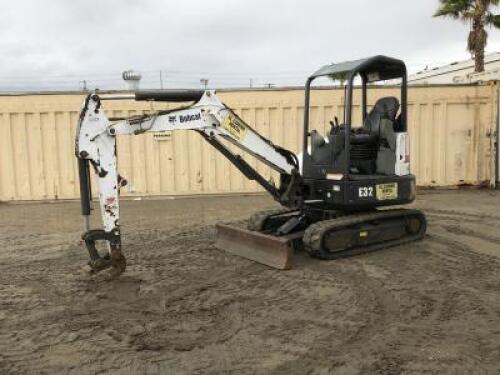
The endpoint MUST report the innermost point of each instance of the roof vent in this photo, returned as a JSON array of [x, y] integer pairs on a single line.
[[132, 78]]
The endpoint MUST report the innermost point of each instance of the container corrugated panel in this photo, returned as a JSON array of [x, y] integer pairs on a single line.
[[449, 128]]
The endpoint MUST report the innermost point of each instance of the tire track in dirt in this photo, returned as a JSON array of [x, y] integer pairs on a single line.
[[185, 307]]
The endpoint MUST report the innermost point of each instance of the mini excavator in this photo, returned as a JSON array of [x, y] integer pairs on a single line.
[[334, 196]]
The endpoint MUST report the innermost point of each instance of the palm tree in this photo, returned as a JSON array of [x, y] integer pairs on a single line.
[[477, 13]]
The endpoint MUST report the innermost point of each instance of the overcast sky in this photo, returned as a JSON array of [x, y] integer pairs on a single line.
[[58, 43]]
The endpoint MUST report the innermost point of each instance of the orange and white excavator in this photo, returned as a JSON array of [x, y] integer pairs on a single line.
[[331, 195]]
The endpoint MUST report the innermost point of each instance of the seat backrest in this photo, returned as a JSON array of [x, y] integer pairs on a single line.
[[385, 108]]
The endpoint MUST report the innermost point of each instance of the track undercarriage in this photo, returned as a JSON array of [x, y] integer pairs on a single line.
[[326, 235]]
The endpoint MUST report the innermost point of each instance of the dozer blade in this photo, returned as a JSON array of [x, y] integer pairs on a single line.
[[270, 250]]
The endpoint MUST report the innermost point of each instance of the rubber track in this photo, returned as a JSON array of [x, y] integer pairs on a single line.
[[314, 234]]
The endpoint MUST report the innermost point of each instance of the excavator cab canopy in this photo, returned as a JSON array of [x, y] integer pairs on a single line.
[[360, 73], [373, 69]]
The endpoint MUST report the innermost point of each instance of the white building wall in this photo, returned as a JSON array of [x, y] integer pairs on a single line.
[[459, 72]]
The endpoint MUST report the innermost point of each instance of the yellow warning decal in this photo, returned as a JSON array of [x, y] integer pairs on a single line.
[[235, 126], [387, 191]]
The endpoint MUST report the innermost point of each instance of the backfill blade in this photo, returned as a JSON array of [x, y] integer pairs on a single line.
[[270, 250]]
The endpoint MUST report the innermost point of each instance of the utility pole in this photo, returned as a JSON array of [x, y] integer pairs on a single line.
[[204, 82], [269, 85], [161, 80], [251, 82]]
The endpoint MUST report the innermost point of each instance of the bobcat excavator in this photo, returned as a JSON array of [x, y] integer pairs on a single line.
[[331, 194]]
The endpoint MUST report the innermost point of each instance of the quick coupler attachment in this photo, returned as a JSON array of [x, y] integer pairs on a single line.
[[114, 259]]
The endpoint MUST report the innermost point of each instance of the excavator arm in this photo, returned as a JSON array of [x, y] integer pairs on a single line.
[[96, 147]]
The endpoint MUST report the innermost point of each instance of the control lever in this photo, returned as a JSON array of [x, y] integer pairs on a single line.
[[335, 126]]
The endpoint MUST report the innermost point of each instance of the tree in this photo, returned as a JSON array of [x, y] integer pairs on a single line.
[[478, 14]]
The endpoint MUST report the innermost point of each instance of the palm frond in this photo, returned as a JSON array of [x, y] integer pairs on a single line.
[[493, 20], [454, 8]]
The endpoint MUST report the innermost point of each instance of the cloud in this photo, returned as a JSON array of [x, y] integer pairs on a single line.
[[58, 43]]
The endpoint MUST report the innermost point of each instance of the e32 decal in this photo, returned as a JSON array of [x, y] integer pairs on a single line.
[[365, 192]]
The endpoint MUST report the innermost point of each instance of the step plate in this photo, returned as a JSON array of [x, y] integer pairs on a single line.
[[266, 249]]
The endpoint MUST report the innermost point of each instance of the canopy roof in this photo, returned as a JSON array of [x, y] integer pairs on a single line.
[[376, 68]]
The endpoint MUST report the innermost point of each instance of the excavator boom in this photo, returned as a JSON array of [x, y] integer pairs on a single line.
[[96, 147]]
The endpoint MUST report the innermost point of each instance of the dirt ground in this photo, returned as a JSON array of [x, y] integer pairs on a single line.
[[184, 307]]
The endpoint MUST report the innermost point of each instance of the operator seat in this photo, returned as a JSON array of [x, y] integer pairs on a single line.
[[385, 108], [374, 125], [379, 124], [377, 129], [383, 121], [373, 145]]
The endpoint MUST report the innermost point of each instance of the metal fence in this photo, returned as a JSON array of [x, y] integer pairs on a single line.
[[451, 130]]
